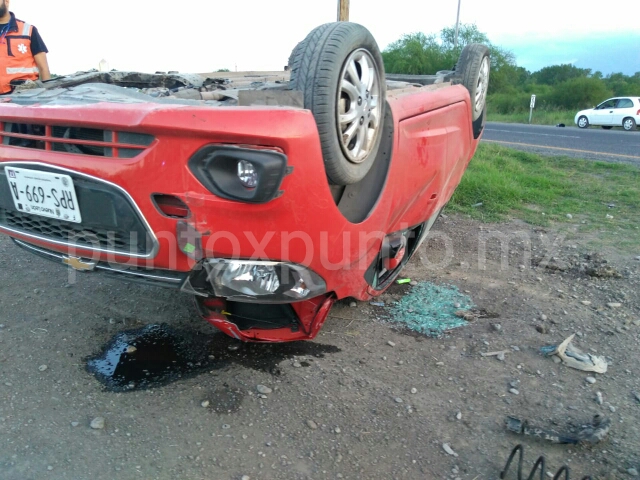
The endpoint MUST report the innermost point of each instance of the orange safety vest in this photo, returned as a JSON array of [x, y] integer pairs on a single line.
[[16, 59]]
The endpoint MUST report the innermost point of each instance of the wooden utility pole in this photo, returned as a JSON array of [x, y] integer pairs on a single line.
[[343, 10]]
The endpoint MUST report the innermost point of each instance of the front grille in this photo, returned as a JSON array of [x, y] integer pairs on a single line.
[[75, 140], [73, 234]]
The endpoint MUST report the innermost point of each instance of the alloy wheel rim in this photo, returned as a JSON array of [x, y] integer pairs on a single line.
[[483, 83], [358, 106]]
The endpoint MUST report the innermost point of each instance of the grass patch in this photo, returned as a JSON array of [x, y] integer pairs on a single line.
[[540, 117], [542, 190]]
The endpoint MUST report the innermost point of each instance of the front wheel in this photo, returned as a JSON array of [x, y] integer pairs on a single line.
[[339, 70], [629, 124], [583, 122]]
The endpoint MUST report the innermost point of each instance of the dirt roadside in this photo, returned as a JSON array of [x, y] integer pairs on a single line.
[[341, 406]]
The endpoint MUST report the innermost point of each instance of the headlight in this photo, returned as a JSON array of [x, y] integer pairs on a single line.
[[242, 174], [262, 281]]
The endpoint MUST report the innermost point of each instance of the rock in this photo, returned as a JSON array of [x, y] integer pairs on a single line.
[[459, 415], [500, 356], [97, 423], [312, 425], [496, 327], [609, 217], [542, 329], [457, 305], [413, 283], [590, 380], [515, 391], [233, 348], [599, 399], [42, 368], [391, 344], [49, 468], [398, 400], [543, 317], [585, 302], [263, 389], [204, 404], [633, 472], [414, 390], [614, 305], [612, 408], [297, 364], [556, 359], [75, 424], [337, 430], [448, 449], [569, 216], [353, 304], [245, 477], [131, 349]]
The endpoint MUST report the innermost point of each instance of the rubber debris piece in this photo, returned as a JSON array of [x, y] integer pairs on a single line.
[[575, 358], [431, 309], [593, 432]]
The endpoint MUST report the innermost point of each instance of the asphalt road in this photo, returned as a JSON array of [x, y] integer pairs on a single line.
[[614, 145]]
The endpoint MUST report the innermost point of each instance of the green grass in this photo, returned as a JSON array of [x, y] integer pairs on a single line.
[[540, 117], [543, 190]]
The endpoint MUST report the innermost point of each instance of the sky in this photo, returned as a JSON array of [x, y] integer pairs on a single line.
[[197, 36]]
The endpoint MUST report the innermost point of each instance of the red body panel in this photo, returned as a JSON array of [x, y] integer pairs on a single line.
[[433, 143]]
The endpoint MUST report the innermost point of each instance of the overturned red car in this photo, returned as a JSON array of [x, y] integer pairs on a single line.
[[267, 198]]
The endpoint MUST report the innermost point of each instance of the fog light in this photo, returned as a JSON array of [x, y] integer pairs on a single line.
[[262, 281], [247, 174]]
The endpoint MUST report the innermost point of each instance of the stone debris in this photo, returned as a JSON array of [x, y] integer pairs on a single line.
[[263, 389], [97, 423], [447, 448], [312, 425], [42, 368]]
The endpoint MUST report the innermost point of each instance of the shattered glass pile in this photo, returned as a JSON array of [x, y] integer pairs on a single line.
[[431, 309]]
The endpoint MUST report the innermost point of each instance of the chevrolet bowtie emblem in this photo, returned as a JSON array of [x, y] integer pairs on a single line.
[[78, 264]]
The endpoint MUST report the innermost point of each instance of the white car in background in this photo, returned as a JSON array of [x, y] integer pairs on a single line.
[[616, 112]]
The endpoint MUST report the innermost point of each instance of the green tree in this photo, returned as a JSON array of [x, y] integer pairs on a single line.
[[556, 74]]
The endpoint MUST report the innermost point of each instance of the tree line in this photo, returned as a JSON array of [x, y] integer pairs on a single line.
[[557, 87]]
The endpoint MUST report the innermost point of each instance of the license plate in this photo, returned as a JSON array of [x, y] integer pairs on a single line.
[[45, 194]]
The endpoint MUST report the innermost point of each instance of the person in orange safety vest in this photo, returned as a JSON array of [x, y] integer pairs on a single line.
[[23, 54]]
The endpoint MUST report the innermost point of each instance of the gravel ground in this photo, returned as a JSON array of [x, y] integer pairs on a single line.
[[366, 399]]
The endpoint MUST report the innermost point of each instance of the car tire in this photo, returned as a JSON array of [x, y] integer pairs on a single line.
[[473, 68], [607, 127], [583, 122], [629, 124], [339, 70]]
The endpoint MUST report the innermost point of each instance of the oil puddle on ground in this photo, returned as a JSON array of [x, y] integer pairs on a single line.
[[430, 309], [155, 355]]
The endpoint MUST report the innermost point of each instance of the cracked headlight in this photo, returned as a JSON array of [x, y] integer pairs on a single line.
[[262, 281]]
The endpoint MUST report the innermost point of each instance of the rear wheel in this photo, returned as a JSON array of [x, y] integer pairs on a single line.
[[473, 68], [583, 122], [339, 70], [629, 124]]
